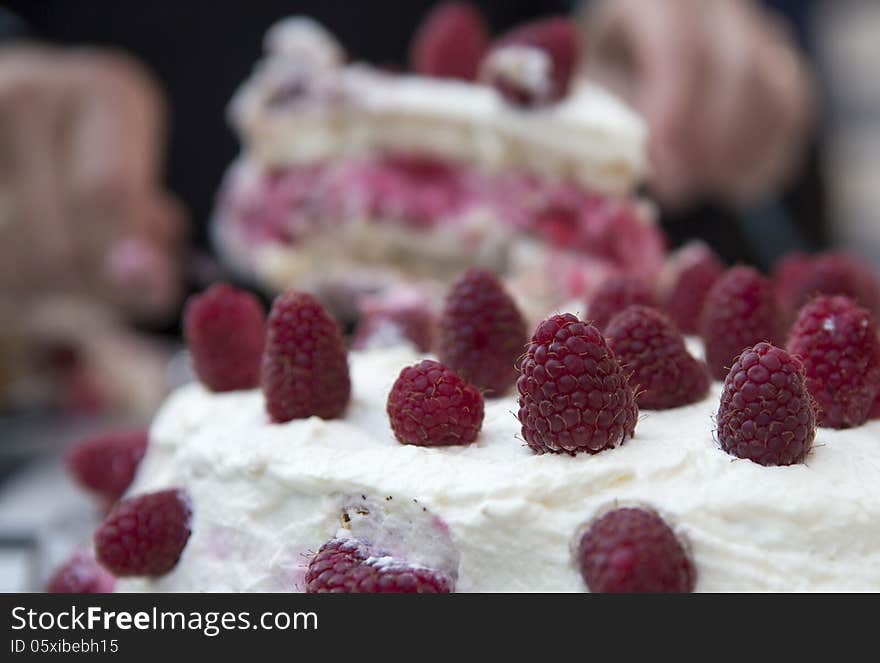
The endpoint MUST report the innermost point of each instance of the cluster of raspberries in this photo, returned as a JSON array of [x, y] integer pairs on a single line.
[[532, 65], [575, 395], [821, 309], [579, 389]]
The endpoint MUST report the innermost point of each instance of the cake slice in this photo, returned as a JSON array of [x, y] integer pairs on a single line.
[[353, 178]]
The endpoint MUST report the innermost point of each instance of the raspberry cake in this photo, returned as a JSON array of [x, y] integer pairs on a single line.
[[383, 470], [504, 446], [354, 179]]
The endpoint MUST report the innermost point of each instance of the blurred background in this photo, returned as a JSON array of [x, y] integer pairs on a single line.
[[765, 139]]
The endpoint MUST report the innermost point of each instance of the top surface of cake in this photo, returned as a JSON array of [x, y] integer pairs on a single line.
[[266, 496], [617, 466]]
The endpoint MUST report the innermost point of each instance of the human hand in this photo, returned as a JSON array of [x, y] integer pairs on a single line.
[[82, 209], [727, 97]]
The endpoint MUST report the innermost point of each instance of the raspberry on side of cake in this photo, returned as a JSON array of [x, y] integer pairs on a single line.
[[348, 566], [632, 550], [144, 535], [81, 574], [105, 464]]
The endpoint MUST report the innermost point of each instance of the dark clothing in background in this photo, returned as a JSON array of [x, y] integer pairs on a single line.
[[11, 26], [201, 51], [797, 13]]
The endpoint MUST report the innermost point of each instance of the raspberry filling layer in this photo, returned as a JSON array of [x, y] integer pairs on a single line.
[[292, 205]]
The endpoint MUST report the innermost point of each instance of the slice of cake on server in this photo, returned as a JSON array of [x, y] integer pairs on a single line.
[[353, 179]]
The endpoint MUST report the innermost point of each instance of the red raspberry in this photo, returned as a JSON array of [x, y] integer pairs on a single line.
[[347, 566], [615, 294], [389, 320], [740, 310], [574, 395], [225, 330], [482, 333], [305, 365], [105, 464], [688, 276], [766, 413], [633, 550], [834, 273], [144, 535], [430, 406], [789, 272], [81, 574], [558, 37], [837, 341], [664, 374], [83, 393], [450, 42]]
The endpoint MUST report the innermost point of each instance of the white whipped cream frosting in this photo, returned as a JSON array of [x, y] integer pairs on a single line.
[[266, 496]]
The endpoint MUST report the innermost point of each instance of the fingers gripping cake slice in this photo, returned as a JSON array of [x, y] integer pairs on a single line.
[[355, 179]]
